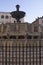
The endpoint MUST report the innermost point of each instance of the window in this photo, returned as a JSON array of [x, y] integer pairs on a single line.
[[4, 28], [0, 28], [35, 37], [42, 29], [12, 28], [12, 37], [6, 17], [2, 16], [4, 37], [21, 37], [35, 29], [29, 37], [0, 37], [42, 21]]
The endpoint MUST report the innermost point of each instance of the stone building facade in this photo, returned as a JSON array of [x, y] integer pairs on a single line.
[[21, 43]]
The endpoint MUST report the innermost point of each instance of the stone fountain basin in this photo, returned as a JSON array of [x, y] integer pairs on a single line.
[[17, 14]]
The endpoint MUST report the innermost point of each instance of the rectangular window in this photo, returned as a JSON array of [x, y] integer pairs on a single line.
[[35, 29], [0, 28], [4, 28]]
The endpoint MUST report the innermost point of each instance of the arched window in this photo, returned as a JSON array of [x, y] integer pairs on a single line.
[[2, 16], [6, 17]]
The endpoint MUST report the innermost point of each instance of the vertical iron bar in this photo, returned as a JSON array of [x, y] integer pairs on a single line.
[[23, 53], [6, 54], [36, 53], [2, 55], [12, 54], [19, 53], [33, 54], [40, 52], [9, 53], [16, 53], [26, 54], [30, 54]]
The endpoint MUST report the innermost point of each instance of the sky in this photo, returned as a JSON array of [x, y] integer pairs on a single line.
[[33, 8]]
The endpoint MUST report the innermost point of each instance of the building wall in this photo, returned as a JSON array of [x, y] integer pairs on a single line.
[[20, 44], [5, 17], [9, 18]]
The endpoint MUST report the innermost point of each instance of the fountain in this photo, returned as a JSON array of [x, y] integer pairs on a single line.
[[17, 14]]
